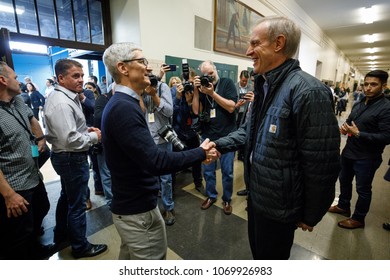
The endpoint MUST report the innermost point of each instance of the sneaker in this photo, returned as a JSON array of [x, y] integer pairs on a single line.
[[169, 217]]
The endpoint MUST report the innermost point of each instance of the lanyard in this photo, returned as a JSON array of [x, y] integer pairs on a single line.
[[24, 125], [74, 100]]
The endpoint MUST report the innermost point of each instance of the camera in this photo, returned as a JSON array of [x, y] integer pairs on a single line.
[[187, 85], [170, 135], [153, 80], [204, 117], [205, 80]]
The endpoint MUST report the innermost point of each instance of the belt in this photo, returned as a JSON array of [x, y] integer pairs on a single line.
[[73, 153]]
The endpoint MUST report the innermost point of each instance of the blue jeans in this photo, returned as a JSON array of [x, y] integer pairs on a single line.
[[166, 183], [364, 171], [73, 168], [105, 176], [227, 163]]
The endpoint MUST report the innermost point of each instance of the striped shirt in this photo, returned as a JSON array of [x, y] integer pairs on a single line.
[[16, 161]]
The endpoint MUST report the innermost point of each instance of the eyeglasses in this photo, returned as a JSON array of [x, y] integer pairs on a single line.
[[143, 60]]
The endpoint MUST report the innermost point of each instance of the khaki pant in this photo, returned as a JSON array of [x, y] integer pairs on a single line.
[[143, 236]]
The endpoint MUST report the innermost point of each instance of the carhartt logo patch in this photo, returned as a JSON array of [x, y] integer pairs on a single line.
[[272, 128]]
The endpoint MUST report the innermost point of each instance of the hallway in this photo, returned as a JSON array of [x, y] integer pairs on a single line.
[[211, 235]]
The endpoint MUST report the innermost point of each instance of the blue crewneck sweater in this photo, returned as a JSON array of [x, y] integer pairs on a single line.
[[134, 159]]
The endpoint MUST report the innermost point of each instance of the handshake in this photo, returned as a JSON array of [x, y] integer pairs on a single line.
[[211, 152]]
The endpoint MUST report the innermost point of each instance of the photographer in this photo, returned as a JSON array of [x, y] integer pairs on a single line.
[[216, 108], [183, 121], [158, 108]]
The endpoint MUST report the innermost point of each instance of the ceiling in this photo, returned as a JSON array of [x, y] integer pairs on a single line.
[[342, 21]]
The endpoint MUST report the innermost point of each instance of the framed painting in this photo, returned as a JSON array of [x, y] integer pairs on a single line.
[[233, 23]]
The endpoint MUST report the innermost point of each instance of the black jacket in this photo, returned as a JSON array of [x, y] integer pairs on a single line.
[[295, 149], [373, 122]]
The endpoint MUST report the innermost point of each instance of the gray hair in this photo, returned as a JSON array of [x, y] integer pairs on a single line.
[[3, 69], [209, 62], [278, 25], [116, 53]]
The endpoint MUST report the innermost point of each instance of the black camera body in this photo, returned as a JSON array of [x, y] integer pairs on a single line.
[[205, 80], [153, 80], [204, 117], [188, 86], [166, 132]]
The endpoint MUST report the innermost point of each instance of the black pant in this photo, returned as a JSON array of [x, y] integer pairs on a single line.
[[269, 239], [18, 240]]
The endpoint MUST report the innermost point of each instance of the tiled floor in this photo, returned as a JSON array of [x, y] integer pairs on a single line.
[[209, 234]]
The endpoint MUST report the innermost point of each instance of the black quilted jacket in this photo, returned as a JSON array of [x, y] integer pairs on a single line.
[[295, 156]]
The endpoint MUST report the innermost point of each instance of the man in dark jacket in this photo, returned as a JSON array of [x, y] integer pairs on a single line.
[[292, 143], [368, 129]]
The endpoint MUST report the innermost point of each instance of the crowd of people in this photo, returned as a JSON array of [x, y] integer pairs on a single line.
[[275, 122]]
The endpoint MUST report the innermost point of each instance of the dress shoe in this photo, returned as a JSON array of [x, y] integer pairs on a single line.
[[242, 192], [227, 208], [88, 204], [44, 252], [336, 209], [207, 203], [91, 252], [351, 224], [386, 226], [169, 217]]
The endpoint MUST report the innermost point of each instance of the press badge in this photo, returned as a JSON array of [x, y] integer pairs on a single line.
[[213, 113], [151, 117], [272, 128], [34, 151]]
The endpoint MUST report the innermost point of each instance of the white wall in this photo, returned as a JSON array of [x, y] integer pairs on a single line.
[[166, 27]]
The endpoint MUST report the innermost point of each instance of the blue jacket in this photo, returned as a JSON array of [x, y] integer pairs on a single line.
[[37, 100], [295, 149]]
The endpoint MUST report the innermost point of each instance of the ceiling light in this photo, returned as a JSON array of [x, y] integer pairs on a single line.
[[11, 10], [371, 50], [27, 47], [370, 38], [368, 15]]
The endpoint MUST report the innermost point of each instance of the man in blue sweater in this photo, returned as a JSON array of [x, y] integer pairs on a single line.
[[134, 160]]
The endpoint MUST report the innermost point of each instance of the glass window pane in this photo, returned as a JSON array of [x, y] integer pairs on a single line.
[[65, 22], [47, 21], [7, 17], [28, 20], [95, 10], [81, 18]]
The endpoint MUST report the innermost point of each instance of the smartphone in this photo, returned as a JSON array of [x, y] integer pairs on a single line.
[[172, 67], [242, 96]]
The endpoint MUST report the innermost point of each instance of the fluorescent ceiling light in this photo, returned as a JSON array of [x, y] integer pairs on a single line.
[[370, 38], [369, 15], [8, 9], [27, 47]]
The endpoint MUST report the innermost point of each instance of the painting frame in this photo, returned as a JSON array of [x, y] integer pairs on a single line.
[[233, 23]]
